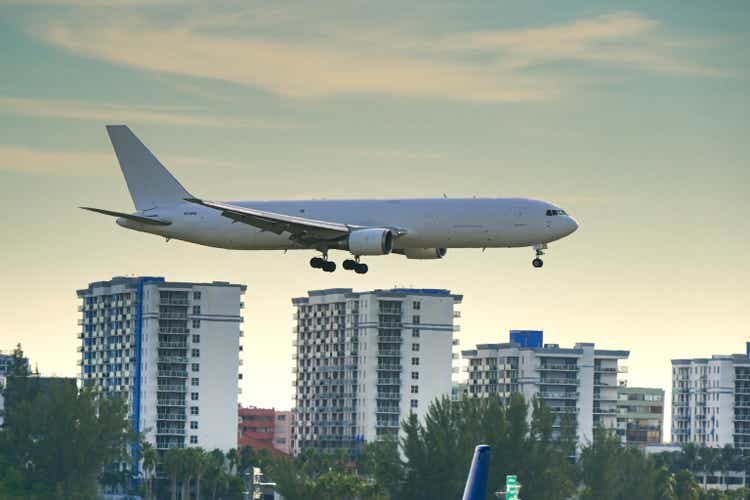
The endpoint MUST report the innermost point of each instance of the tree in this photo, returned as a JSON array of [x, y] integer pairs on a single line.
[[381, 462], [150, 458], [173, 462], [57, 440]]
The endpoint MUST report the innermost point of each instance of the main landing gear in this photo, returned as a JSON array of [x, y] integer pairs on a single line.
[[330, 266], [355, 265], [538, 262], [323, 263]]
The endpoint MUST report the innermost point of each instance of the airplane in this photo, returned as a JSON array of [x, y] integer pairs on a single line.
[[415, 228], [476, 481]]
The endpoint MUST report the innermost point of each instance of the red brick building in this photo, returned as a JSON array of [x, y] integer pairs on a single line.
[[264, 428]]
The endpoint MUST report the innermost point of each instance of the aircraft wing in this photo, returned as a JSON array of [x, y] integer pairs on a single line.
[[302, 229]]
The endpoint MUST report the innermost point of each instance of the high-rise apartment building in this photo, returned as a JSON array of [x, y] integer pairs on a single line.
[[172, 349], [366, 360], [640, 415], [581, 381], [711, 400]]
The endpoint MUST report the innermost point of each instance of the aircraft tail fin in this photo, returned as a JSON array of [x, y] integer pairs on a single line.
[[149, 182], [476, 483]]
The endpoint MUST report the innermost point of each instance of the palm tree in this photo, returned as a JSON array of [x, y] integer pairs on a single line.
[[198, 463], [150, 458], [232, 458], [173, 465], [215, 470]]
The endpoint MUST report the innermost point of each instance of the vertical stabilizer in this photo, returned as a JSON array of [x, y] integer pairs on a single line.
[[149, 182], [476, 483]]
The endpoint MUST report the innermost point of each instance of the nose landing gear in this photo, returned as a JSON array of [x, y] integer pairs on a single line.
[[539, 249]]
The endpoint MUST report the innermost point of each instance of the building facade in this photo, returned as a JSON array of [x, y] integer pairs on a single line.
[[265, 428], [640, 415], [172, 349], [580, 381], [711, 401], [365, 361]]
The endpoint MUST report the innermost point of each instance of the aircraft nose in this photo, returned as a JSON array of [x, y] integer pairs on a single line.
[[571, 225]]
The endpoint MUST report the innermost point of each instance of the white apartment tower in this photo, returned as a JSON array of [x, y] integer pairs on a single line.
[[582, 380], [172, 349], [364, 361], [711, 401]]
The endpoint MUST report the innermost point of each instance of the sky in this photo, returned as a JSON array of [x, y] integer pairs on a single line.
[[631, 116]]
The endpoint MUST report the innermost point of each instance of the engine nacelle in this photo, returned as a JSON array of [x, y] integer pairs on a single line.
[[375, 241], [425, 253]]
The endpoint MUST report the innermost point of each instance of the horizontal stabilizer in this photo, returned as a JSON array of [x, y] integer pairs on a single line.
[[134, 218]]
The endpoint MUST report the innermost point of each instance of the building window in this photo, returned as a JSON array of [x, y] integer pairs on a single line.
[[415, 375], [196, 323], [415, 319], [194, 410], [415, 389], [196, 296], [417, 305], [195, 353], [194, 381], [196, 309], [414, 403], [193, 424], [415, 333], [196, 337], [415, 347], [196, 367], [194, 396], [415, 361], [193, 439]]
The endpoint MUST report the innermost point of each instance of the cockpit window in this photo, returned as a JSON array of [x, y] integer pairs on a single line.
[[551, 213]]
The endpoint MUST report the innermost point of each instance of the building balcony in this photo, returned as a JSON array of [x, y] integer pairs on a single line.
[[389, 396], [173, 315], [169, 403], [173, 302], [173, 359], [558, 395], [173, 331], [172, 374], [605, 411], [173, 345], [558, 367], [170, 388], [171, 418], [170, 431]]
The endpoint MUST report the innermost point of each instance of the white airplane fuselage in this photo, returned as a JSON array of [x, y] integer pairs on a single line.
[[429, 223]]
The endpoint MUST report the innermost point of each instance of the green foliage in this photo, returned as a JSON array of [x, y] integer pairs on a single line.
[[57, 440]]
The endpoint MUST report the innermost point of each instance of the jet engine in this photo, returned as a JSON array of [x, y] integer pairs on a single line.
[[425, 253], [374, 241]]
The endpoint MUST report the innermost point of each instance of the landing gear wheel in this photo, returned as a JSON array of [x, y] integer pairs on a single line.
[[537, 262], [360, 268], [329, 266], [316, 262], [349, 264]]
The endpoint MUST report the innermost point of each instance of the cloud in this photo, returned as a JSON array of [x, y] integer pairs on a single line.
[[290, 69], [117, 113], [481, 66], [33, 161], [76, 163]]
